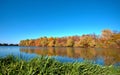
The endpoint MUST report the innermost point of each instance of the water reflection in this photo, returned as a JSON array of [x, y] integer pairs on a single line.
[[103, 56]]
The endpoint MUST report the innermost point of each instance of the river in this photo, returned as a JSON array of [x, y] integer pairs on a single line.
[[99, 56]]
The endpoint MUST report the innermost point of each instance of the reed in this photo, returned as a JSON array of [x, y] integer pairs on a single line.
[[12, 65]]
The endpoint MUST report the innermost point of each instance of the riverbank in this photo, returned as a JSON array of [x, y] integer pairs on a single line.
[[11, 65]]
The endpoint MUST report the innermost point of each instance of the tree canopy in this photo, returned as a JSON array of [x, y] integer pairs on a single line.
[[107, 39]]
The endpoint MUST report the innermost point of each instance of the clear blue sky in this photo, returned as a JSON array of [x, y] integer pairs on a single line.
[[22, 19]]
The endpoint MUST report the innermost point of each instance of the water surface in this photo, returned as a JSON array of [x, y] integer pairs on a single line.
[[100, 56]]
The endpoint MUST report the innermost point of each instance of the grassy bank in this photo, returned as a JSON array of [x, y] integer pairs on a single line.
[[11, 65]]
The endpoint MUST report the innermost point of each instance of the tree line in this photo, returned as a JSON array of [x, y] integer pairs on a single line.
[[6, 44], [108, 39]]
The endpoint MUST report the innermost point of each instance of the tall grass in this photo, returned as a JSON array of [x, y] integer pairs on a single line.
[[11, 65]]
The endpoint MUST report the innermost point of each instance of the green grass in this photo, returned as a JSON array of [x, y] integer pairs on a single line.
[[11, 65]]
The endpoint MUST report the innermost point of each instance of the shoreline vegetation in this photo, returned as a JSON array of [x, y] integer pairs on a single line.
[[108, 39], [11, 65]]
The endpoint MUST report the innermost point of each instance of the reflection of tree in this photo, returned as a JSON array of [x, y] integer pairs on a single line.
[[60, 51], [110, 56], [51, 51], [86, 53], [70, 52]]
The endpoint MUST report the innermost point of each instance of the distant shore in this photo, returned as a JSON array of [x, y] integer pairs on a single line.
[[5, 44]]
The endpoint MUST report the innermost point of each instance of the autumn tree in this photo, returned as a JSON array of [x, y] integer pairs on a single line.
[[44, 41], [76, 40], [63, 41], [38, 42], [32, 42], [70, 42], [51, 42], [107, 39], [24, 42], [58, 42], [107, 34], [87, 41], [116, 39]]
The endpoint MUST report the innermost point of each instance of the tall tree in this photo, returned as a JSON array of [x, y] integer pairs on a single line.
[[107, 34], [70, 42], [51, 42], [44, 41]]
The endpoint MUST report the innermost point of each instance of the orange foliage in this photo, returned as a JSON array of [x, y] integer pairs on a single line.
[[107, 39]]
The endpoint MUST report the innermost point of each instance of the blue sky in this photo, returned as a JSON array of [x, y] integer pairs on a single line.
[[26, 19]]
